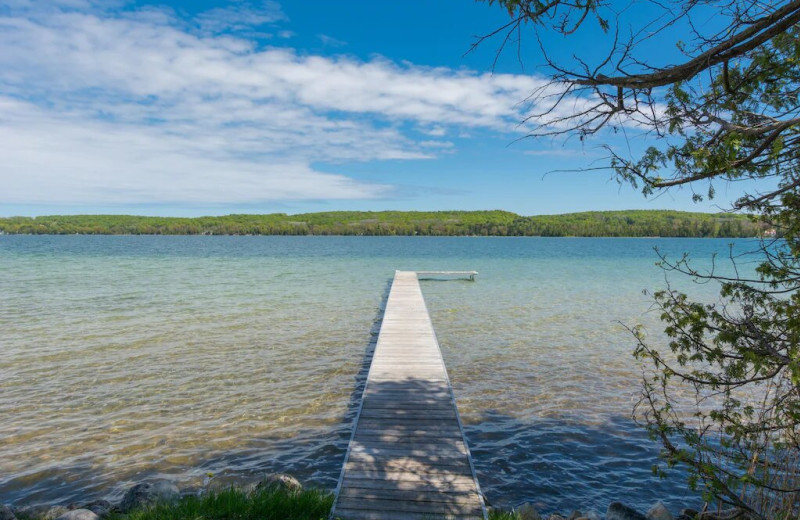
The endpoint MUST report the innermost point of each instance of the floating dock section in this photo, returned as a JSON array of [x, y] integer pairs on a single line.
[[408, 457]]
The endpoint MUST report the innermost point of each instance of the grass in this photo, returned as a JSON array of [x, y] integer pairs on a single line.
[[261, 504], [237, 504]]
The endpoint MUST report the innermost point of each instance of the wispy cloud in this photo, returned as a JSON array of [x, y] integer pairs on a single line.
[[134, 106], [330, 41], [240, 17]]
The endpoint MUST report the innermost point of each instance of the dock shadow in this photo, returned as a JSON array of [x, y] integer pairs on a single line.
[[407, 457]]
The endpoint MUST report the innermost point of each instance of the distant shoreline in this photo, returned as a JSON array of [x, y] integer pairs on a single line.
[[607, 224]]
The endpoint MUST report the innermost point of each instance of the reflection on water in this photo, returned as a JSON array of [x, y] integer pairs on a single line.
[[128, 357]]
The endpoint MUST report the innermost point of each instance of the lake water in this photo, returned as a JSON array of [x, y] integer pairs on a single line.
[[125, 358]]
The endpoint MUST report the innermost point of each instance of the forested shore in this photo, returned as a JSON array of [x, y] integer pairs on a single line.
[[632, 223]]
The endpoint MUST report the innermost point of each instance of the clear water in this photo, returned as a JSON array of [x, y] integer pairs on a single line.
[[124, 358]]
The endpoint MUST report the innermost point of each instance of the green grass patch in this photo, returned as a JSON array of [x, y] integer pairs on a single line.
[[236, 504]]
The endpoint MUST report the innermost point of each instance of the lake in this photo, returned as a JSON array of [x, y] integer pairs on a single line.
[[130, 357]]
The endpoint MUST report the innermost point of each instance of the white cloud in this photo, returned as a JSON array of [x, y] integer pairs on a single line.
[[134, 107]]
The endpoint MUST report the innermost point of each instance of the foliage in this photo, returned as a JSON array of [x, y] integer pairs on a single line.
[[262, 504], [724, 398], [445, 223]]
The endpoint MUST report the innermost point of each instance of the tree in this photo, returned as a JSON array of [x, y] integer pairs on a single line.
[[727, 110]]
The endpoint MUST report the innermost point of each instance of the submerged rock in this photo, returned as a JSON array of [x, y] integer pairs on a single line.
[[592, 515], [280, 481], [147, 494], [79, 514], [619, 511], [6, 513], [659, 512], [528, 512]]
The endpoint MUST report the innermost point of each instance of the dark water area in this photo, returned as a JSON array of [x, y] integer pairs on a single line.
[[131, 357]]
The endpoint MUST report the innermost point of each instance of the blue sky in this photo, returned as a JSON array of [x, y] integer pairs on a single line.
[[213, 107]]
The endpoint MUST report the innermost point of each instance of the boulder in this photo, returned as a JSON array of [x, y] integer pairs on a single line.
[[619, 511], [659, 512], [555, 516], [79, 514], [575, 515], [528, 512], [147, 494], [223, 482], [33, 512], [691, 513], [54, 512], [6, 513], [726, 514], [99, 507], [280, 481]]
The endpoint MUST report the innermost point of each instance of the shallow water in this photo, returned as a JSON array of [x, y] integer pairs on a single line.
[[123, 358]]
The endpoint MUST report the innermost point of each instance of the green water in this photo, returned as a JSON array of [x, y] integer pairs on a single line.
[[124, 358]]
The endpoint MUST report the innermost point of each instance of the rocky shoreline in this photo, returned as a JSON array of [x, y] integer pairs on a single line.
[[146, 494], [139, 496], [619, 511]]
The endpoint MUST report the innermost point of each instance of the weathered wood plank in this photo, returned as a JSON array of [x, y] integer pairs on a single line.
[[410, 462], [407, 456], [459, 498], [408, 413], [360, 514], [443, 451], [397, 506], [410, 484], [438, 478]]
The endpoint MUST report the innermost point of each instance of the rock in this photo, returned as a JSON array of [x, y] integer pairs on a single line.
[[280, 481], [725, 514], [527, 512], [592, 515], [147, 494], [79, 514], [575, 515], [659, 512], [6, 513], [32, 512], [691, 513], [556, 517], [99, 507], [54, 512], [619, 511], [223, 482]]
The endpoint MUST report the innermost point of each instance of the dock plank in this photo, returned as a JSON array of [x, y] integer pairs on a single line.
[[408, 457]]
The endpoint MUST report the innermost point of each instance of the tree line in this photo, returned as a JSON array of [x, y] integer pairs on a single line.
[[633, 223]]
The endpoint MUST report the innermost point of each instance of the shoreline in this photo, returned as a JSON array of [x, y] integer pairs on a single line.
[[156, 493]]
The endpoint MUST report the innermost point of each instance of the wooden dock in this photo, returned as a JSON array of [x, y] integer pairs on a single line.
[[408, 457], [438, 274]]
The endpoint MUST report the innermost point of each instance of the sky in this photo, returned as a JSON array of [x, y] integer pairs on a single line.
[[211, 107]]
